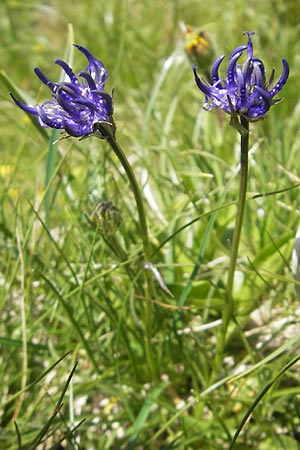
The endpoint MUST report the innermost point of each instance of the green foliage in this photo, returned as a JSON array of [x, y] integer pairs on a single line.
[[94, 353]]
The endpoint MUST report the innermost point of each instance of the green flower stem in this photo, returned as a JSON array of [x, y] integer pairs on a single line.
[[228, 306], [238, 223], [107, 131]]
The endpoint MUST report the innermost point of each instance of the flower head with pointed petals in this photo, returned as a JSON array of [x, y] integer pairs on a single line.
[[77, 105], [245, 91]]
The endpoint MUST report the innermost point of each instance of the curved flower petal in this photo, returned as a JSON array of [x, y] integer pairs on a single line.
[[95, 66], [231, 77], [48, 117], [26, 108], [282, 80], [203, 87], [44, 79], [67, 69], [70, 89], [239, 49], [249, 45], [91, 83], [215, 69]]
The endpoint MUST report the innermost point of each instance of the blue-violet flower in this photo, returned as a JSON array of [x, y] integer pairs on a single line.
[[76, 106], [245, 91]]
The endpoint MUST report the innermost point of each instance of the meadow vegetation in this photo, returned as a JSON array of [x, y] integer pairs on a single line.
[[98, 349]]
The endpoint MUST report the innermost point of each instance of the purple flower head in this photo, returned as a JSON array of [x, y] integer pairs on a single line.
[[76, 106], [245, 91]]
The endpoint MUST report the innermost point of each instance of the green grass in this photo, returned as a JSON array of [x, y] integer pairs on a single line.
[[94, 353]]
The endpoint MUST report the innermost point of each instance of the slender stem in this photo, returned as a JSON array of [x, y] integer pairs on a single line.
[[227, 314], [228, 305], [106, 131]]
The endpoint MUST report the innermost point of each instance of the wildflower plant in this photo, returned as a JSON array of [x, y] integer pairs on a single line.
[[137, 338], [247, 96], [83, 109]]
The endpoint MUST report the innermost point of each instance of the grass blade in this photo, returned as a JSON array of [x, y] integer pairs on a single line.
[[260, 396]]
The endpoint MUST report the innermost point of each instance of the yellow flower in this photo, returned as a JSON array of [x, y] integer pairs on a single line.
[[199, 47]]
